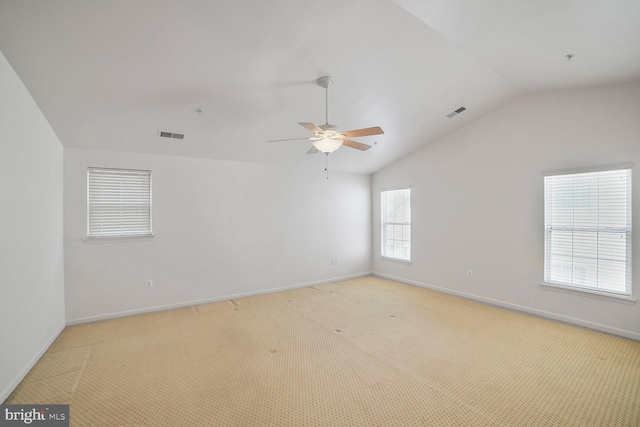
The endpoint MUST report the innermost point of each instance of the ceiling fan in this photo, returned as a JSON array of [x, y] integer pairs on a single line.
[[327, 137]]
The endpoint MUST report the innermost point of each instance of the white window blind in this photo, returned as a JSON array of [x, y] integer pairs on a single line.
[[588, 230], [119, 203], [396, 223]]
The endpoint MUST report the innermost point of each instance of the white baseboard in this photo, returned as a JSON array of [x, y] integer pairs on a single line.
[[546, 314], [13, 384], [89, 319]]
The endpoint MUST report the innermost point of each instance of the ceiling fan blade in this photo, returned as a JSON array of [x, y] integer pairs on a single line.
[[289, 139], [355, 144], [313, 128], [363, 132], [313, 150]]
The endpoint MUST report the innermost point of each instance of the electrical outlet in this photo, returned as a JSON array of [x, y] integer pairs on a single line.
[[149, 283], [469, 273], [335, 261]]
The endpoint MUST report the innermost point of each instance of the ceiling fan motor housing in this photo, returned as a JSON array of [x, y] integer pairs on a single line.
[[330, 131]]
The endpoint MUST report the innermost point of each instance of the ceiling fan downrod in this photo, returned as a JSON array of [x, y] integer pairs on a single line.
[[325, 82]]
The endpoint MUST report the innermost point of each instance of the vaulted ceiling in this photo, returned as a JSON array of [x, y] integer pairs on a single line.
[[111, 74]]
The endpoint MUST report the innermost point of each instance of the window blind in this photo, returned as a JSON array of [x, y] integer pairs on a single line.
[[588, 230], [119, 203], [396, 223]]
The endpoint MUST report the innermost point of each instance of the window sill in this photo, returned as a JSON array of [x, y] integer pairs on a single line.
[[398, 260], [118, 239], [624, 299]]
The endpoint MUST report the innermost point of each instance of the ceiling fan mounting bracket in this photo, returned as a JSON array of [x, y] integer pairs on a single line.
[[325, 81]]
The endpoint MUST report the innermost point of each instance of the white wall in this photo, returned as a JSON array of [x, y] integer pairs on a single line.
[[477, 199], [221, 229], [31, 254]]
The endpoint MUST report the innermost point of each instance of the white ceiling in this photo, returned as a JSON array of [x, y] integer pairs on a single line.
[[525, 41], [110, 74]]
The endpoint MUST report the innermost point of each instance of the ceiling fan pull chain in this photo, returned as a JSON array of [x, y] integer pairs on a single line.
[[326, 164]]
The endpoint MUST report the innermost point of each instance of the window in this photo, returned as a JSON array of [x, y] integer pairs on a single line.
[[396, 223], [119, 203], [588, 231]]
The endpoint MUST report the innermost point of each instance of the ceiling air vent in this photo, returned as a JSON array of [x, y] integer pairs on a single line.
[[455, 113], [163, 134]]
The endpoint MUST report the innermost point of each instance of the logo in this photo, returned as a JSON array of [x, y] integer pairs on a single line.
[[36, 415]]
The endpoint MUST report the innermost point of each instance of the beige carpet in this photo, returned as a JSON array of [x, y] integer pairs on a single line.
[[363, 352]]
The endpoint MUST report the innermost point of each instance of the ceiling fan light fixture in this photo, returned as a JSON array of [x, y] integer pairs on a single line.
[[327, 145]]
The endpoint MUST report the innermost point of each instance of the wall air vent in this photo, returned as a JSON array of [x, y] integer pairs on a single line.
[[163, 134], [455, 113]]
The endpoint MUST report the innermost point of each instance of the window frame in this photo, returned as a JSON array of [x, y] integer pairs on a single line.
[[591, 288], [383, 254], [138, 234]]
